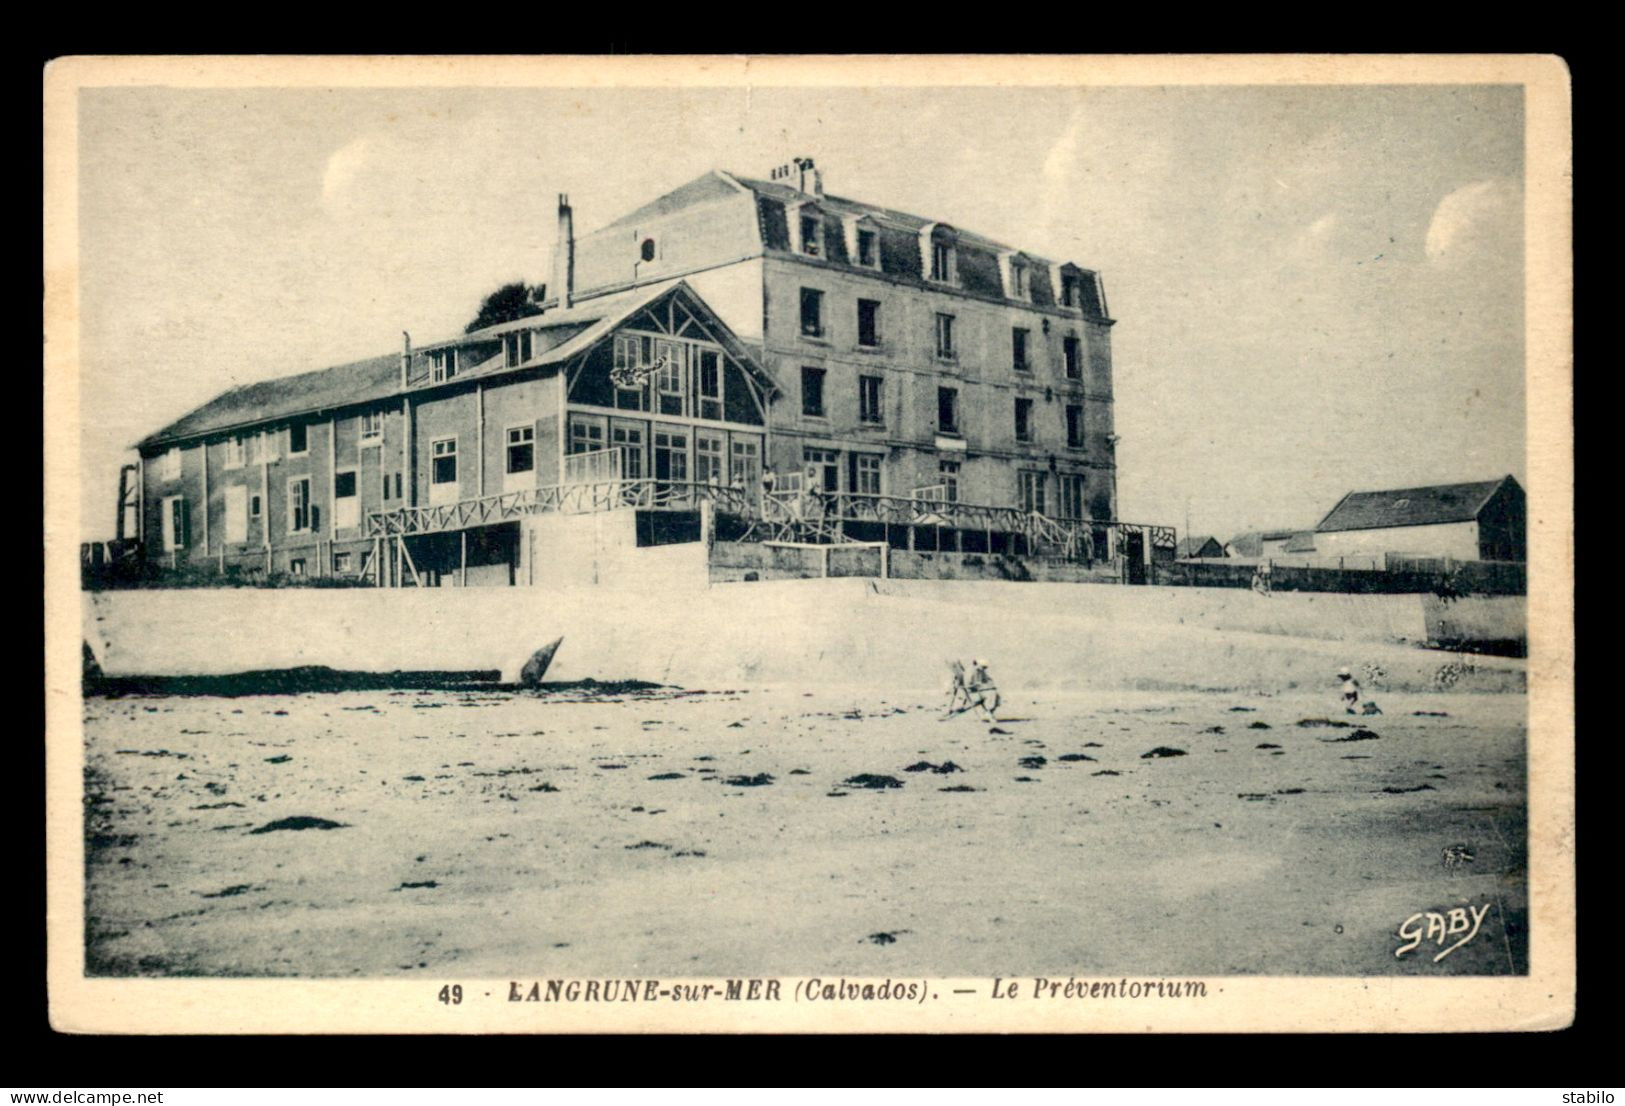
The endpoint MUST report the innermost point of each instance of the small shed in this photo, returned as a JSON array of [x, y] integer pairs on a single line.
[[1200, 547], [1479, 521]]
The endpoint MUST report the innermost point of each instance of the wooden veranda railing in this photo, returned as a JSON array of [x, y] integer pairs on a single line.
[[794, 515]]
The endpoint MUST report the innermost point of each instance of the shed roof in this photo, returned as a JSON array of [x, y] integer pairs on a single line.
[[1438, 503]]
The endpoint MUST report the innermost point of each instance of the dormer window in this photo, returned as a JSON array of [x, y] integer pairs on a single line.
[[1070, 292], [1020, 282], [517, 347], [444, 362], [812, 236], [868, 249], [938, 251]]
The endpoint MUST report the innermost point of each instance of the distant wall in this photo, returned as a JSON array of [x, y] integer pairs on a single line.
[[734, 561], [1446, 539], [1360, 575]]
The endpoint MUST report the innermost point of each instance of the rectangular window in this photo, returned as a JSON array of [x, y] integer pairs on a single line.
[[342, 563], [669, 378], [632, 351], [823, 469], [1074, 362], [948, 410], [1024, 420], [386, 486], [1074, 426], [1069, 291], [812, 312], [671, 455], [443, 365], [812, 392], [945, 336], [585, 437], [175, 523], [296, 567], [299, 514], [236, 452], [629, 440], [298, 439], [868, 249], [344, 484], [811, 229], [708, 458], [398, 493], [869, 396], [169, 464], [1018, 282], [1032, 492], [948, 477], [253, 506], [1071, 495], [516, 347], [269, 440], [1018, 349], [868, 471], [372, 428], [443, 452], [869, 323], [710, 384], [745, 468], [942, 261], [521, 449]]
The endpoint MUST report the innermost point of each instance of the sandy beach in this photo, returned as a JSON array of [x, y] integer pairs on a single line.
[[771, 830]]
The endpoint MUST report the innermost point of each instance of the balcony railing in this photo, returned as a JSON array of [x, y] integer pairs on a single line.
[[793, 515]]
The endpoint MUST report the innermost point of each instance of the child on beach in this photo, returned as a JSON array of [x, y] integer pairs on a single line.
[[1352, 703], [984, 694]]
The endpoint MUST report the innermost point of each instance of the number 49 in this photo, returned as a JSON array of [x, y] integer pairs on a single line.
[[452, 995]]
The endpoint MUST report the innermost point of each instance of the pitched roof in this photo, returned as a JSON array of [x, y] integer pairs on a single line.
[[714, 185], [563, 333], [1301, 542], [357, 382], [1410, 506], [1192, 547], [840, 205]]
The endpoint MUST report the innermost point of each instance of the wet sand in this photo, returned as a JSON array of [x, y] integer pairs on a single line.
[[509, 834]]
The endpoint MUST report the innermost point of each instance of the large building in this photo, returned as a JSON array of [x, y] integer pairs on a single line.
[[732, 338], [912, 354]]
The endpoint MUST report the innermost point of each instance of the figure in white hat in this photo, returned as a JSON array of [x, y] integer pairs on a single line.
[[1351, 691]]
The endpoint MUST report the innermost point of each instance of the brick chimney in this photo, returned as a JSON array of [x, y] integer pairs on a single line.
[[406, 357], [801, 174], [564, 254]]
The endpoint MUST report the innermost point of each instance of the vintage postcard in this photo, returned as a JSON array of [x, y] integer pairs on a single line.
[[962, 544]]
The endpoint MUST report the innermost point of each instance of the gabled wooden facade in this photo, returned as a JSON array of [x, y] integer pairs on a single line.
[[451, 443]]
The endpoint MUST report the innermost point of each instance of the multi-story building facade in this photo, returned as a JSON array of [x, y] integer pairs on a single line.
[[733, 335], [911, 354]]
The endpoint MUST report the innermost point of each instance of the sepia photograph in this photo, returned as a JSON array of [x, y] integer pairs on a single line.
[[689, 542]]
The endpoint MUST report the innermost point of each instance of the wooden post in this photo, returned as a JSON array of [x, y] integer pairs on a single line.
[[462, 568], [205, 449], [479, 441]]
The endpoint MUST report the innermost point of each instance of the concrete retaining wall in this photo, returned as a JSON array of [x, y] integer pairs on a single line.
[[899, 633]]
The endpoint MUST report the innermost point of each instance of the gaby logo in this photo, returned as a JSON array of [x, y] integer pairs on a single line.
[[1430, 925]]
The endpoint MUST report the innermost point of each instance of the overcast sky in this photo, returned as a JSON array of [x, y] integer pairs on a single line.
[[1317, 289]]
